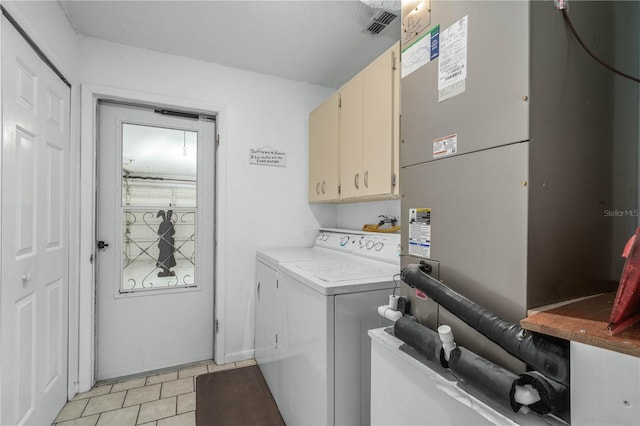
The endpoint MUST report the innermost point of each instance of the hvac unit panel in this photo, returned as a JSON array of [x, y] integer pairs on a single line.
[[517, 225], [478, 225], [493, 109]]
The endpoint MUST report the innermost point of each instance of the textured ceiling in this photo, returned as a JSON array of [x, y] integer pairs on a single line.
[[319, 42]]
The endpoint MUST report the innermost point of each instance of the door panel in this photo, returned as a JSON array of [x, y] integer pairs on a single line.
[[35, 248], [25, 219], [146, 319], [351, 116], [54, 202], [268, 314], [54, 331], [377, 155], [324, 123]]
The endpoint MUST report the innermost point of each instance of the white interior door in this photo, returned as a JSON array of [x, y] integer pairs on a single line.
[[155, 278], [35, 229]]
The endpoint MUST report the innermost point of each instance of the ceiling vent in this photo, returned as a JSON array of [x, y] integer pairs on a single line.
[[380, 21]]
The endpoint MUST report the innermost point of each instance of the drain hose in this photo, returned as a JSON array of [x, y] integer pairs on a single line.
[[547, 355]]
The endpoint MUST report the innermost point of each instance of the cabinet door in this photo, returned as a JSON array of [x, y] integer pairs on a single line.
[[266, 326], [351, 126], [378, 129], [323, 150]]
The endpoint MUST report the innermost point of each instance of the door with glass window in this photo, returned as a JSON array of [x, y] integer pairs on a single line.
[[155, 239]]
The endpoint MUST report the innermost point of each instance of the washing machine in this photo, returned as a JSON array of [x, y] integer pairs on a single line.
[[328, 305], [269, 299]]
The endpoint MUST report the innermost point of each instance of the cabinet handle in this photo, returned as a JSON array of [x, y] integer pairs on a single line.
[[318, 188], [355, 180], [323, 182], [366, 179], [258, 290]]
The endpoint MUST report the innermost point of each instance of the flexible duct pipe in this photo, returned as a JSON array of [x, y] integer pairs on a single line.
[[419, 337], [553, 397], [483, 376], [548, 356], [475, 372]]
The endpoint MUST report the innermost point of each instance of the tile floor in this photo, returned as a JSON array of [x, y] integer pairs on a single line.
[[165, 398]]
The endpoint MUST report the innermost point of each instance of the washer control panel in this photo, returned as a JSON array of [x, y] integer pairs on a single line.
[[384, 247], [337, 240], [378, 246]]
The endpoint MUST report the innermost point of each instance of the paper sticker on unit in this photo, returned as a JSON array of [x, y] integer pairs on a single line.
[[421, 52], [420, 232], [445, 146], [452, 90], [452, 67], [267, 156], [415, 21]]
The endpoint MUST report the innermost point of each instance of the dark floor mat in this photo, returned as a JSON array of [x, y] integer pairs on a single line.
[[235, 397]]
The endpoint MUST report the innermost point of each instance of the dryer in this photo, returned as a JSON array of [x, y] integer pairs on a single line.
[[328, 305]]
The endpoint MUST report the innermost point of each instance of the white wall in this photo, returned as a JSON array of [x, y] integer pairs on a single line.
[[355, 215], [48, 26], [264, 206]]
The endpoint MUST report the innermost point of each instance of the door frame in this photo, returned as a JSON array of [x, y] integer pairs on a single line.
[[90, 94]]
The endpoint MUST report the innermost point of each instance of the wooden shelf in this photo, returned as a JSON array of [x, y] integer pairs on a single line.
[[585, 321]]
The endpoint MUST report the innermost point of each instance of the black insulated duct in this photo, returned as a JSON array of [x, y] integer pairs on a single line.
[[475, 372], [546, 355], [554, 397], [480, 376], [419, 337]]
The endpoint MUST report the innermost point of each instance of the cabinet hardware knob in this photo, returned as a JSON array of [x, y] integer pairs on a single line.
[[366, 179], [355, 180], [323, 185], [318, 188]]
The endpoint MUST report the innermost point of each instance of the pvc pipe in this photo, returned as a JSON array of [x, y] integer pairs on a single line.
[[526, 395], [389, 313], [446, 337]]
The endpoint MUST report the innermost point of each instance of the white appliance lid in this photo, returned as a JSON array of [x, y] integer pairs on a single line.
[[336, 271]]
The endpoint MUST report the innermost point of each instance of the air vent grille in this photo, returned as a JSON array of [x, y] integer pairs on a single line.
[[385, 18], [376, 28], [380, 22]]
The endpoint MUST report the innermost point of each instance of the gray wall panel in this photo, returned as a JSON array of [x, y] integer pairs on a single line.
[[491, 112], [625, 125], [479, 223], [571, 161]]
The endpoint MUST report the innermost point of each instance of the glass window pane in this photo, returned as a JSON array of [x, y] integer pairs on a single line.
[[158, 249], [158, 166], [158, 207]]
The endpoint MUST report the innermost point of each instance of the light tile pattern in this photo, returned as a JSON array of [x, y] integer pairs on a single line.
[[165, 398]]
